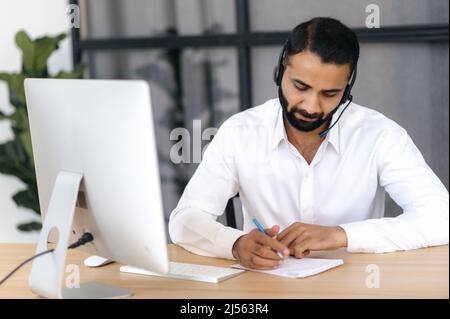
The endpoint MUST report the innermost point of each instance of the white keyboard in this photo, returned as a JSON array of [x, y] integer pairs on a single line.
[[187, 271]]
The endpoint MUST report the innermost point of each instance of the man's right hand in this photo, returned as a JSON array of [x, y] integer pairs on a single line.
[[258, 251]]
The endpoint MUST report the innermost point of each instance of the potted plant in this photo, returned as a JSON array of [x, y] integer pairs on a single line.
[[16, 155]]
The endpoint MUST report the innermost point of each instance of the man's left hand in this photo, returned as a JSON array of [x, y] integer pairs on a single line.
[[301, 238]]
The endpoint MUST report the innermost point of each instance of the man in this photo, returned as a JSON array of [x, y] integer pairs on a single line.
[[315, 174]]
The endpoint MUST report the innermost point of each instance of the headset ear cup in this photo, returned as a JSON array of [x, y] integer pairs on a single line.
[[275, 75], [348, 89], [280, 72], [346, 94], [279, 75], [279, 69]]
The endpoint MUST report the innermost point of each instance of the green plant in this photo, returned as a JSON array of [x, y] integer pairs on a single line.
[[16, 155]]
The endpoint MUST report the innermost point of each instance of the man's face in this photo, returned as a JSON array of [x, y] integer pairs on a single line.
[[312, 89]]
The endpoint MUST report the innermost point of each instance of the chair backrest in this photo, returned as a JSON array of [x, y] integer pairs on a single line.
[[230, 212]]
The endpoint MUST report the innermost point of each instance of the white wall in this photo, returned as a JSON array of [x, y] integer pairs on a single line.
[[37, 18]]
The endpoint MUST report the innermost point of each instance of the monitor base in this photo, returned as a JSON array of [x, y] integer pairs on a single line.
[[47, 272]]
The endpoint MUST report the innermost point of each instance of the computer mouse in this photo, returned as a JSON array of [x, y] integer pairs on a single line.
[[96, 261]]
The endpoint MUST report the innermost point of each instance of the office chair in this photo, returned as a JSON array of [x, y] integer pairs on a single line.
[[230, 212]]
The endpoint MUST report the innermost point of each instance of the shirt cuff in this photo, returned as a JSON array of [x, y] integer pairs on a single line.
[[225, 240], [357, 235]]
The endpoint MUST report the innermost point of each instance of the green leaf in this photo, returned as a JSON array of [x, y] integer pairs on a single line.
[[75, 74], [36, 53], [22, 119], [25, 44], [27, 198], [25, 138], [3, 116], [8, 157], [13, 162], [5, 76], [16, 89], [30, 226]]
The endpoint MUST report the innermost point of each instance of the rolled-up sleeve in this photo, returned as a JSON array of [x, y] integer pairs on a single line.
[[411, 183], [193, 223]]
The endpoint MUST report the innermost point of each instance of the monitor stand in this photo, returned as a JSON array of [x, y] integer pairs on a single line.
[[47, 273]]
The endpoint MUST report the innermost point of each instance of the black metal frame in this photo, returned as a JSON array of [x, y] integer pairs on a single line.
[[411, 33], [244, 40]]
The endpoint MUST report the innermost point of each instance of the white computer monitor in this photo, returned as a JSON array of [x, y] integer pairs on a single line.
[[97, 171]]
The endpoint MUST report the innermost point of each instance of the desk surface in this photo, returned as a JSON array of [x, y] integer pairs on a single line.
[[421, 273]]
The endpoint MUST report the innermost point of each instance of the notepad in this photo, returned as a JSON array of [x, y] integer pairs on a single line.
[[299, 268]]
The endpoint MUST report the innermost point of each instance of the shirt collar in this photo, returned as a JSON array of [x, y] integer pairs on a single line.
[[280, 132]]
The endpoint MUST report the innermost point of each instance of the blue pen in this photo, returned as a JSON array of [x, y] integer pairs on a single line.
[[262, 230]]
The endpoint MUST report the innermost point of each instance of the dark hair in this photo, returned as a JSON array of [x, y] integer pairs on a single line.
[[330, 39]]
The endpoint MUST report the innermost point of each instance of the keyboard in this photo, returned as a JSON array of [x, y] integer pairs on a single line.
[[188, 271]]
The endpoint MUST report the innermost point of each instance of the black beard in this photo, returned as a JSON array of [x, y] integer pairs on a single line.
[[300, 125]]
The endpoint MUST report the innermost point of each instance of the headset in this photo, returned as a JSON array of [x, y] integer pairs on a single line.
[[347, 96]]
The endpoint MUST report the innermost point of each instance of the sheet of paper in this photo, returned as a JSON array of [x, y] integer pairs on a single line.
[[299, 268]]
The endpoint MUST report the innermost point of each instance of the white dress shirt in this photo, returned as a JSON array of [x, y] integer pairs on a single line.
[[363, 155]]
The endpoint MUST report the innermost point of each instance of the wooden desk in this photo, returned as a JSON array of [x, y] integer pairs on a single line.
[[421, 273]]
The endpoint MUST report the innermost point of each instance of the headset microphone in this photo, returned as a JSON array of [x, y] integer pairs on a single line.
[[323, 133]]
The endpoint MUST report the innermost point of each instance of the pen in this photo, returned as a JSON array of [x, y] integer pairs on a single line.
[[262, 230]]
